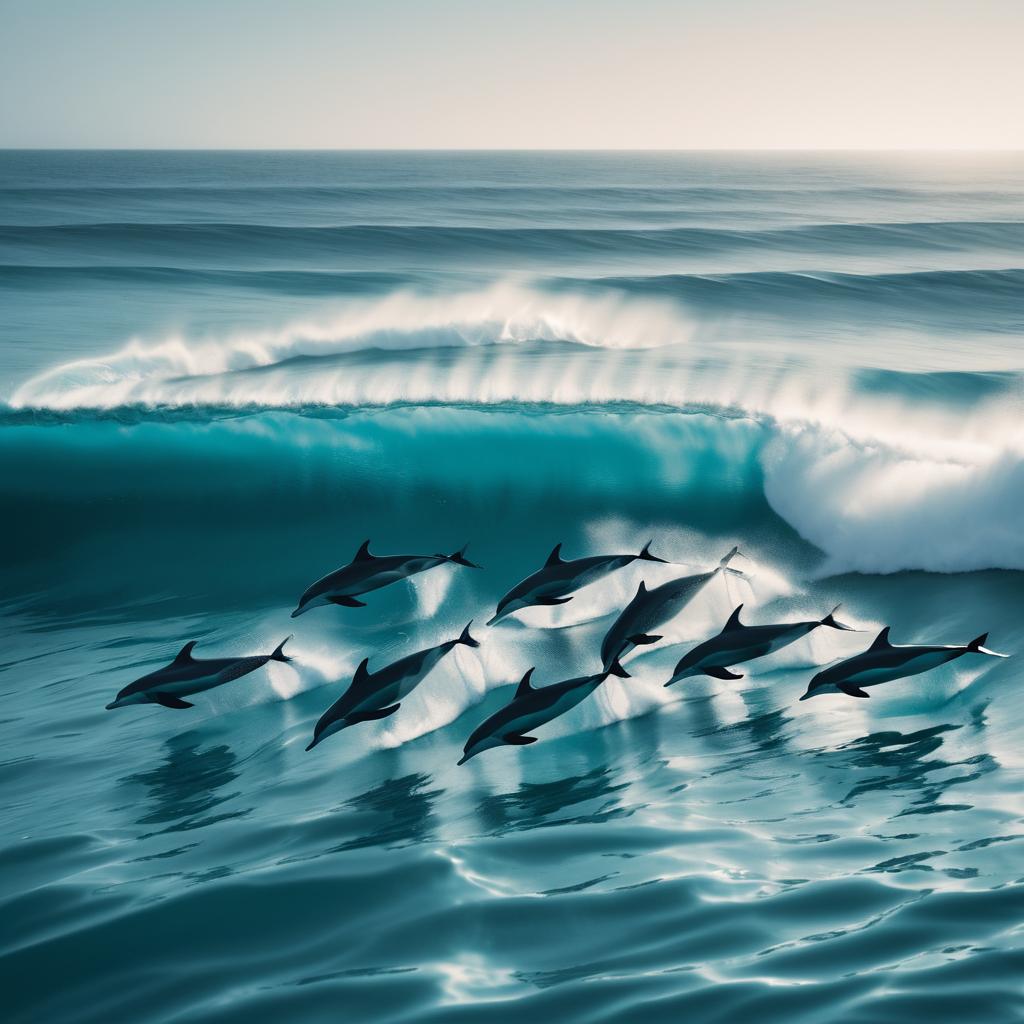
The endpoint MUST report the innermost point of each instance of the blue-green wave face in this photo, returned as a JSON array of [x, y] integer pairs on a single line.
[[221, 373]]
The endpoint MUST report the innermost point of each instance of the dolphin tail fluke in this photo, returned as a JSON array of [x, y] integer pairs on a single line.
[[466, 639], [646, 556], [616, 669], [730, 556], [976, 647], [737, 572], [830, 620], [459, 558], [279, 654]]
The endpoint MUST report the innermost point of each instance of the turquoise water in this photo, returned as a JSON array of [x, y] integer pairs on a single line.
[[221, 372]]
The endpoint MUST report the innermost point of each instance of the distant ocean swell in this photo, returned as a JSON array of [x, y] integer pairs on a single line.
[[419, 245]]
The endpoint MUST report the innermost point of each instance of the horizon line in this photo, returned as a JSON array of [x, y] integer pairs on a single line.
[[507, 149]]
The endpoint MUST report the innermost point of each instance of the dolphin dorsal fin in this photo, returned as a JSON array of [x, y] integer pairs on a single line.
[[881, 641], [185, 654], [641, 591], [555, 558], [734, 620], [361, 671], [363, 554], [524, 686]]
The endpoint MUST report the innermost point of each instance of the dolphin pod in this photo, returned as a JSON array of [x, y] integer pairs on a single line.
[[530, 708], [651, 609], [372, 696], [883, 662], [556, 581], [368, 572], [186, 675], [375, 695], [738, 643]]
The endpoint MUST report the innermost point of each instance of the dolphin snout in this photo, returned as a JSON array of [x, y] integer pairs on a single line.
[[113, 704], [300, 610], [312, 743]]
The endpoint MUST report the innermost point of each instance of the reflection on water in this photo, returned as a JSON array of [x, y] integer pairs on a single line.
[[897, 762], [396, 812], [187, 784], [537, 804]]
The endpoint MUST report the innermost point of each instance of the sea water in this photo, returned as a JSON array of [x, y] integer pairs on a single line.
[[221, 372]]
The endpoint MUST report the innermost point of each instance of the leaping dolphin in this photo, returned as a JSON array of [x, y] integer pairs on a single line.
[[738, 643], [186, 675], [368, 572], [529, 709], [882, 662], [650, 609], [374, 695], [557, 580]]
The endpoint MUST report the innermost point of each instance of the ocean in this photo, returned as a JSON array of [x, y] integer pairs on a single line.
[[221, 372]]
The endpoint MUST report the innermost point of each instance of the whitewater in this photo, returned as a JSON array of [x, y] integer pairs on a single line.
[[221, 372]]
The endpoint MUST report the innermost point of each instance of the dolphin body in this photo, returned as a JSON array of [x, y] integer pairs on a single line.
[[882, 662], [186, 675], [557, 580], [530, 708], [650, 609], [368, 572], [374, 695], [738, 643]]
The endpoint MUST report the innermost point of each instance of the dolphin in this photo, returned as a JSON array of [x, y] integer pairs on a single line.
[[373, 695], [368, 572], [883, 662], [556, 581], [186, 675], [738, 643], [530, 708], [650, 609]]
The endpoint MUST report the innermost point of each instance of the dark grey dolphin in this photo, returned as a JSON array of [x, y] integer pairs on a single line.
[[373, 695], [187, 675], [882, 662], [650, 609], [558, 579], [738, 643], [368, 572], [529, 709]]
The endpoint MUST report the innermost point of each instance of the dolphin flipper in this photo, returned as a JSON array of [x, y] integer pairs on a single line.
[[852, 691], [723, 673], [347, 602], [639, 639], [552, 600], [372, 716], [167, 701], [518, 741]]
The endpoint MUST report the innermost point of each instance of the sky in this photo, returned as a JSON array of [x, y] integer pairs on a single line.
[[512, 74]]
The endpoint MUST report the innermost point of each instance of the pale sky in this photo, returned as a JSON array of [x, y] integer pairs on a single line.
[[514, 74]]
